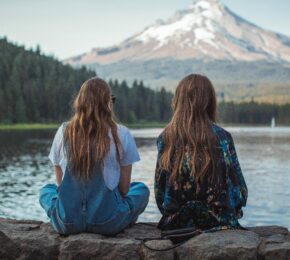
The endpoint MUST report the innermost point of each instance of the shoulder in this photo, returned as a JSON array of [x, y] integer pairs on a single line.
[[122, 130], [160, 142], [60, 129], [220, 132], [124, 133], [58, 138], [62, 126], [59, 135]]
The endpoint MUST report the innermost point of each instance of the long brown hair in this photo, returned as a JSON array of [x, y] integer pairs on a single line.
[[190, 130], [87, 134]]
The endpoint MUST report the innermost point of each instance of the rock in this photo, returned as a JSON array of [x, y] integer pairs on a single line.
[[147, 253], [266, 231], [37, 240], [8, 249], [227, 244], [275, 251], [91, 246], [275, 246]]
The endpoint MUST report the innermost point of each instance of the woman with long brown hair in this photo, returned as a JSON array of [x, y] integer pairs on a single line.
[[198, 179], [93, 158]]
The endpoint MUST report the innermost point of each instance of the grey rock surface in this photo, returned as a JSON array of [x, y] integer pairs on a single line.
[[37, 240]]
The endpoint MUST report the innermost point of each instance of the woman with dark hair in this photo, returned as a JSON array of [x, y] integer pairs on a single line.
[[198, 179], [93, 159]]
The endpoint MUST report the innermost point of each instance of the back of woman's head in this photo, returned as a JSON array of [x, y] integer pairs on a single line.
[[195, 98], [87, 135], [189, 132]]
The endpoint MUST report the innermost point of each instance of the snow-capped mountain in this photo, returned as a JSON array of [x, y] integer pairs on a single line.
[[242, 59], [207, 30]]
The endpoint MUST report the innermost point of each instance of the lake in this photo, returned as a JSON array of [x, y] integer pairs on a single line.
[[263, 154]]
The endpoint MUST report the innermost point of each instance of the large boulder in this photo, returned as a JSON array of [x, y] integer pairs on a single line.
[[37, 240]]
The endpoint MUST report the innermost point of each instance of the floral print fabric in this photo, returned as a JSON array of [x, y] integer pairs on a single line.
[[206, 205]]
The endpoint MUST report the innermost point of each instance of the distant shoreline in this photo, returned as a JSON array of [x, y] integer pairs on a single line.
[[40, 126], [32, 126], [139, 125]]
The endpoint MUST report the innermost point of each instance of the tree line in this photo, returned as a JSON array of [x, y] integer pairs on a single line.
[[34, 87], [139, 103], [39, 88], [253, 113]]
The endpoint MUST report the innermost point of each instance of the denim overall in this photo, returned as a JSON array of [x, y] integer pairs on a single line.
[[77, 206]]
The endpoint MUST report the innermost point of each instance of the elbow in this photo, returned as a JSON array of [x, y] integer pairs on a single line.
[[123, 194], [124, 191]]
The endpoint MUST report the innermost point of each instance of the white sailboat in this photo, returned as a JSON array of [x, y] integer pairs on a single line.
[[273, 123]]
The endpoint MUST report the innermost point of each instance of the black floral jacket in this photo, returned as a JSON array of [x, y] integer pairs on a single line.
[[207, 206]]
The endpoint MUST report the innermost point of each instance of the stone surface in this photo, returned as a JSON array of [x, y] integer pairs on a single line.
[[230, 244], [37, 240]]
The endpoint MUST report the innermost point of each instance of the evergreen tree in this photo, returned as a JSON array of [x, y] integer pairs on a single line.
[[37, 88], [20, 110]]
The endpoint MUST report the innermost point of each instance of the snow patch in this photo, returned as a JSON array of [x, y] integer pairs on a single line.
[[209, 9], [202, 4], [209, 28], [204, 13], [212, 14], [164, 32], [203, 35]]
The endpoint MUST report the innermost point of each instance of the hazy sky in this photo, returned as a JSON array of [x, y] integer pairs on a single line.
[[69, 27]]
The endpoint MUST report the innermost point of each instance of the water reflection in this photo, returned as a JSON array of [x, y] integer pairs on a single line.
[[263, 154]]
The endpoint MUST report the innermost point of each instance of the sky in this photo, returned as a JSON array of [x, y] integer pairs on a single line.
[[65, 28]]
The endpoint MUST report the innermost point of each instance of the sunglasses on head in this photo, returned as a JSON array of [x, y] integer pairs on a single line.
[[113, 98]]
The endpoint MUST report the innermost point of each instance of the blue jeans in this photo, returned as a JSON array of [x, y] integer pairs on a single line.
[[112, 215]]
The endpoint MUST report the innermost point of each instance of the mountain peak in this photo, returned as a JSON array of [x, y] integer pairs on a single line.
[[208, 7], [207, 30], [205, 4], [197, 23]]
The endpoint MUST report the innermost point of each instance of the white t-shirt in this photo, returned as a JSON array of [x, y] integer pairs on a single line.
[[111, 173]]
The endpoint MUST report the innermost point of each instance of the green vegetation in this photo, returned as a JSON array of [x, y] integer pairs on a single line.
[[138, 104], [38, 89], [240, 81], [55, 126], [36, 92], [253, 113], [27, 126], [142, 125], [34, 87]]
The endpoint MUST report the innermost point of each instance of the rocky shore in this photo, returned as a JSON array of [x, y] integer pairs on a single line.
[[36, 240]]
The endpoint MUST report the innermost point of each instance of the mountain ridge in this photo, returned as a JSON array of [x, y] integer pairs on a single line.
[[206, 33], [207, 30]]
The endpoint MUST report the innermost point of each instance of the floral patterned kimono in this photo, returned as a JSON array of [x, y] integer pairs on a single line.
[[203, 206]]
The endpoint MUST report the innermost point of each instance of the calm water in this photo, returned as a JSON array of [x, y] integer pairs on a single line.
[[263, 153]]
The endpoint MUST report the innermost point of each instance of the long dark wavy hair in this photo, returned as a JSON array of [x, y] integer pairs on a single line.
[[190, 130], [87, 134]]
